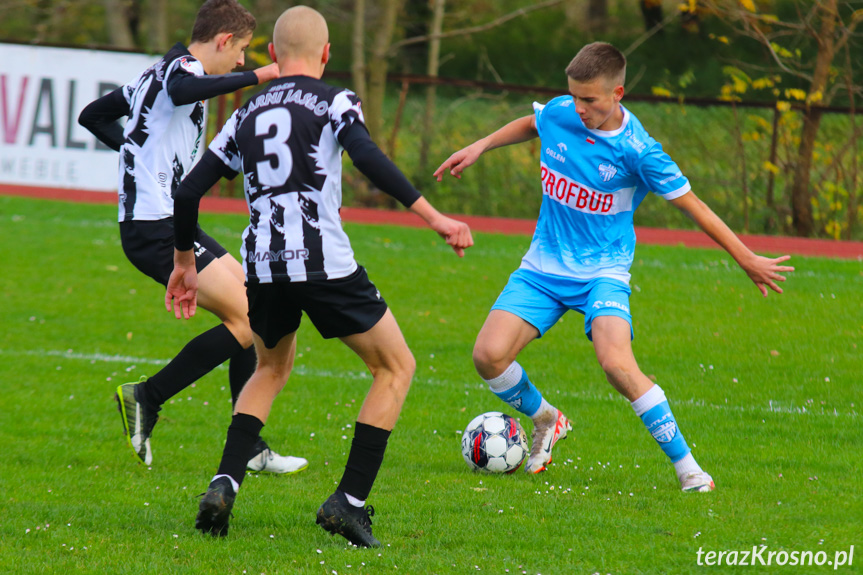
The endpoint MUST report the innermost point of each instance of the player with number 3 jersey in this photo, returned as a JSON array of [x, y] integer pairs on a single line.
[[288, 143]]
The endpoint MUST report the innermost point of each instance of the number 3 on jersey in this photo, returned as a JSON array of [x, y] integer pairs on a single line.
[[275, 145]]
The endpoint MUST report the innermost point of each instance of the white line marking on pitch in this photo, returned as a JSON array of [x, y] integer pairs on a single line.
[[773, 407]]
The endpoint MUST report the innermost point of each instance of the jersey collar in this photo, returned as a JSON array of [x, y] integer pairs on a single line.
[[612, 133]]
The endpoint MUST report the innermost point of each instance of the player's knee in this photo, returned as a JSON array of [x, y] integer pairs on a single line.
[[404, 368], [488, 361], [398, 368], [241, 332], [274, 371], [615, 371]]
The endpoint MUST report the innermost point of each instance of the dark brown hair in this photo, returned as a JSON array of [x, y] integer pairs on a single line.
[[217, 16], [598, 60]]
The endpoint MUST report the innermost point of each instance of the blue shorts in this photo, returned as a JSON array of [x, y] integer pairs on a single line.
[[541, 299]]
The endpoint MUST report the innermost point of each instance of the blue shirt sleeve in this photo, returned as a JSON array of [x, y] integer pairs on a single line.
[[661, 174], [537, 112]]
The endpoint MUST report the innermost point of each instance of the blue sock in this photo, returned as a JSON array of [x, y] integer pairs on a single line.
[[514, 387], [654, 411]]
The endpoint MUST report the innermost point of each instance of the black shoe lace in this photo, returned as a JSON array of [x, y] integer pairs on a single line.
[[366, 518]]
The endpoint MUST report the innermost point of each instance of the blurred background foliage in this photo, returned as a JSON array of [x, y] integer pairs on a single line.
[[786, 167]]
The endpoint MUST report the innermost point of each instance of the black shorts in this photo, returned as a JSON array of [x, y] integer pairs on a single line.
[[337, 308], [149, 245]]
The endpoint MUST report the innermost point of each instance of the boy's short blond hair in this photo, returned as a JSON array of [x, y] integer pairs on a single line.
[[217, 16], [598, 60]]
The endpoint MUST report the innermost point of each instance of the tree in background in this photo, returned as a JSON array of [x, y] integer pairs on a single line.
[[806, 46]]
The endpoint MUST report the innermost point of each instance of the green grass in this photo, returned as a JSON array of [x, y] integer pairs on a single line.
[[767, 392]]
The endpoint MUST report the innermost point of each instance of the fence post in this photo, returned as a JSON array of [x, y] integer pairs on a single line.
[[771, 177]]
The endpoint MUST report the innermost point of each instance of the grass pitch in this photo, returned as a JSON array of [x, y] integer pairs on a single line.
[[767, 392]]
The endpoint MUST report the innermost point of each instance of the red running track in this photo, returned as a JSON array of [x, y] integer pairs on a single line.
[[693, 239]]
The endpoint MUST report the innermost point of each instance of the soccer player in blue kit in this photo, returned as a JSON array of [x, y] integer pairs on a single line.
[[597, 165]]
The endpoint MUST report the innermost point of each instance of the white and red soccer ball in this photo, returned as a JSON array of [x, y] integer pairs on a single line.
[[494, 442]]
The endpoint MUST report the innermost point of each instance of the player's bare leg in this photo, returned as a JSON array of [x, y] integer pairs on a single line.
[[270, 377], [223, 294], [251, 412], [385, 353], [392, 365], [612, 340], [222, 291], [499, 342]]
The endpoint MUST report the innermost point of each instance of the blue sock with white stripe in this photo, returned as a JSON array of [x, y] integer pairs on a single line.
[[514, 387], [653, 409]]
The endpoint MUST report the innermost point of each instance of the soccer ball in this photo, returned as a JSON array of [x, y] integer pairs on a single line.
[[494, 442]]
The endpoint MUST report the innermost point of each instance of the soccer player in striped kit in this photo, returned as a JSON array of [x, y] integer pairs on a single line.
[[288, 143], [158, 146], [597, 164]]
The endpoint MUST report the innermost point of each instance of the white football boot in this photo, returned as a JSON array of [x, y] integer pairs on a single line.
[[271, 462], [699, 482], [547, 430]]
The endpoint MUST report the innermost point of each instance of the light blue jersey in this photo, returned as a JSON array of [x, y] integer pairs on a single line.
[[592, 183]]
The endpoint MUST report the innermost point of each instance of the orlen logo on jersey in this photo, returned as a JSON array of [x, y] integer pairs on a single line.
[[572, 194], [555, 156]]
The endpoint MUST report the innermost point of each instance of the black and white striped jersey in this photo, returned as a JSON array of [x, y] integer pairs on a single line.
[[161, 139], [284, 140]]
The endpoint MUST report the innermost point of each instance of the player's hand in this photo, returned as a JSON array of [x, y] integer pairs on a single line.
[[765, 272], [456, 233], [182, 289], [459, 161], [267, 73]]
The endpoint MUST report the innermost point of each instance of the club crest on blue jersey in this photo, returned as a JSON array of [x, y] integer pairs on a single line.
[[607, 171], [665, 432]]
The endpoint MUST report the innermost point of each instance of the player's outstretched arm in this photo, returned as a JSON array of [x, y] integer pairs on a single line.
[[185, 88], [764, 272], [520, 130], [183, 285], [383, 173], [457, 234]]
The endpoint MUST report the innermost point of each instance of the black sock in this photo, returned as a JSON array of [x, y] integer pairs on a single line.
[[200, 356], [364, 460], [242, 435], [241, 368]]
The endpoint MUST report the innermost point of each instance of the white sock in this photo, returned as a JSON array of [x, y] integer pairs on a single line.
[[354, 501], [234, 484], [507, 380], [543, 409], [653, 397], [686, 466]]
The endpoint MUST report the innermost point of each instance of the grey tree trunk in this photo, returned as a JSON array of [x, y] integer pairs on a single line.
[[378, 65], [431, 90], [119, 29], [358, 53], [597, 15], [801, 195], [159, 36]]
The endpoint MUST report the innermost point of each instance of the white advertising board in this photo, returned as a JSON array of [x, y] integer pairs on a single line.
[[42, 91]]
